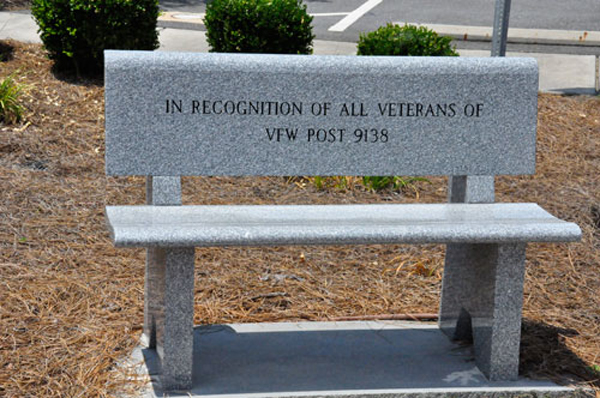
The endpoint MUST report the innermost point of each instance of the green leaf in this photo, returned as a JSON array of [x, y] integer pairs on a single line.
[[76, 32], [259, 26]]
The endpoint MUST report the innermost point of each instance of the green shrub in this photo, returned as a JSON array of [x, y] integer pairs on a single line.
[[76, 32], [259, 26], [11, 110], [378, 183], [407, 40], [326, 182]]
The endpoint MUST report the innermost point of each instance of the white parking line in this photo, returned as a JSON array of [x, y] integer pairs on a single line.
[[329, 14], [355, 16]]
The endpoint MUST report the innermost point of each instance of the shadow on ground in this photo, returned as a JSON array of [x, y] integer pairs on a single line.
[[545, 355], [6, 51]]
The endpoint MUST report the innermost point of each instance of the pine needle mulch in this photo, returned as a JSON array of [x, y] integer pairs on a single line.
[[71, 304], [14, 5]]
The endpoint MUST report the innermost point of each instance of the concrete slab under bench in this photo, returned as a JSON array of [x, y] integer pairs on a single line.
[[373, 359]]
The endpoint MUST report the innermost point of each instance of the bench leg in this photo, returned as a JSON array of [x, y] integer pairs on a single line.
[[175, 317], [482, 299], [152, 301], [160, 191], [454, 320]]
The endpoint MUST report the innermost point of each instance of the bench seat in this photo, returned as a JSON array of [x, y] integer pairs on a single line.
[[265, 225]]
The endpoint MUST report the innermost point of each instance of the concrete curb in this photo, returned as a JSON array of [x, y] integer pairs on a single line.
[[518, 35], [181, 20]]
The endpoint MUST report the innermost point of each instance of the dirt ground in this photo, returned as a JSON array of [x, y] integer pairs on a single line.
[[72, 304]]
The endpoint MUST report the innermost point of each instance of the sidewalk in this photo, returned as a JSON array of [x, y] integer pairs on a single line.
[[560, 73]]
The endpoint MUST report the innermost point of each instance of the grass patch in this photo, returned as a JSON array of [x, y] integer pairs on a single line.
[[11, 110]]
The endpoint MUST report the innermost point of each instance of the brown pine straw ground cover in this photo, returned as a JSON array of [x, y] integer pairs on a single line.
[[71, 304], [14, 5]]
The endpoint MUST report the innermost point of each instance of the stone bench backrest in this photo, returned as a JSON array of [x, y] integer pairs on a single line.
[[172, 114]]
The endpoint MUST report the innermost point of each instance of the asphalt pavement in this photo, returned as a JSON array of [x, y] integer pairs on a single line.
[[344, 20], [179, 31]]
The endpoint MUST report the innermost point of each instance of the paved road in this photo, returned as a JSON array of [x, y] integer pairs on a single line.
[[343, 20]]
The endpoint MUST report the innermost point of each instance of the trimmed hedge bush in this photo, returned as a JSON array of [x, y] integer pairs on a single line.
[[407, 40], [76, 32], [259, 26]]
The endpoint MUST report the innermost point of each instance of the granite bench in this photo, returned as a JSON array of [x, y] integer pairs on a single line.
[[170, 115]]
